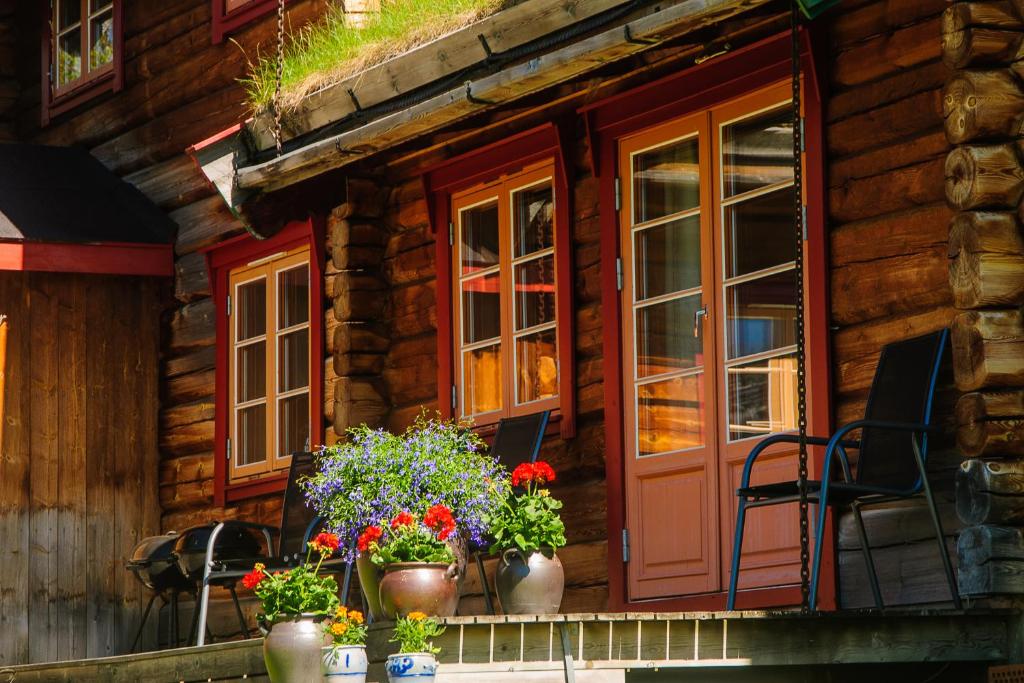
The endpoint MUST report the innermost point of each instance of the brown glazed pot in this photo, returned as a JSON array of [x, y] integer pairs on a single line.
[[428, 587], [530, 585]]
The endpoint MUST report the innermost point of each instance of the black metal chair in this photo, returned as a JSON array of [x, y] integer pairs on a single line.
[[298, 524], [517, 441], [893, 451]]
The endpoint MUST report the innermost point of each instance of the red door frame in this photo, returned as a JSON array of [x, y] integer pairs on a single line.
[[744, 70]]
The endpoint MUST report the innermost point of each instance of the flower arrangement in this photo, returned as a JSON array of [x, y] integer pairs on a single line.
[[528, 521], [376, 475], [414, 633], [300, 590], [410, 539], [346, 627]]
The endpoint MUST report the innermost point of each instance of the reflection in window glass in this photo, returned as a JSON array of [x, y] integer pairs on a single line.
[[664, 337], [480, 237], [101, 40], [535, 292], [292, 297], [762, 397], [481, 370], [537, 366], [252, 435], [69, 56], [252, 372], [251, 310], [293, 360], [670, 415], [293, 424], [761, 315], [667, 258], [666, 181], [757, 151], [481, 308], [759, 233], [533, 226]]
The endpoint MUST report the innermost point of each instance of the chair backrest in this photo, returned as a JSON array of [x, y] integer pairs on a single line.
[[902, 391], [518, 439], [296, 516]]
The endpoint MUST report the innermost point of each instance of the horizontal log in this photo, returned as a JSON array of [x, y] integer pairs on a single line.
[[897, 190], [203, 223], [412, 265], [189, 387], [359, 296], [187, 439], [990, 492], [171, 184], [987, 349], [190, 278], [988, 13], [192, 494], [855, 24], [892, 286], [887, 53], [999, 577], [193, 326], [360, 338], [991, 423], [983, 543], [899, 523], [353, 256], [907, 575], [984, 177], [912, 231], [187, 468], [974, 47], [886, 124], [921, 146], [185, 414], [987, 260], [981, 105], [202, 358], [358, 401]]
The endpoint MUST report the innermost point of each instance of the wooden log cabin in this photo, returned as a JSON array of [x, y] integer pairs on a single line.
[[585, 207]]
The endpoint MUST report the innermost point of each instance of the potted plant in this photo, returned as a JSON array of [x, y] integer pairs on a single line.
[[375, 475], [419, 566], [293, 602], [527, 530], [346, 656], [417, 656]]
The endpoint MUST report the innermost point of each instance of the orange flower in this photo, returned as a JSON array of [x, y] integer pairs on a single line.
[[356, 616], [253, 578], [325, 543], [372, 534], [416, 616], [543, 473], [403, 519], [522, 474]]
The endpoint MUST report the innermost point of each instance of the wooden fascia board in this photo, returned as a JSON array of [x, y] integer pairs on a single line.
[[98, 258], [488, 92]]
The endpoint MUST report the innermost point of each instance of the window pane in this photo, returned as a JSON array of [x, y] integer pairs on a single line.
[[762, 397], [757, 151], [664, 337], [293, 360], [666, 181], [69, 56], [292, 297], [535, 292], [251, 309], [533, 213], [101, 40], [251, 368], [759, 233], [667, 258], [670, 414], [252, 435], [68, 12], [536, 366], [481, 380], [293, 425], [479, 237], [760, 315], [97, 5], [481, 308]]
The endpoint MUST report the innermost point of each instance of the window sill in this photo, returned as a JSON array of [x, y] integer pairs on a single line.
[[241, 490], [72, 98]]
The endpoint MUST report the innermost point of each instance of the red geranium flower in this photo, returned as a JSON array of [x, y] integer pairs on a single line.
[[543, 473], [522, 474], [439, 519], [325, 543], [370, 535], [253, 578], [403, 519]]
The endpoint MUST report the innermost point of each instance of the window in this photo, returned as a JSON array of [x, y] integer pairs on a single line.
[[82, 52], [231, 15], [505, 298]]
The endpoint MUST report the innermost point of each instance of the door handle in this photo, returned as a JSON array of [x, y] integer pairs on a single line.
[[701, 312]]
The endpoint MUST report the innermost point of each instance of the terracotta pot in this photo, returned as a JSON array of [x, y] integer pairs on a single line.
[[414, 666], [344, 663], [292, 649], [369, 580], [530, 585], [425, 587]]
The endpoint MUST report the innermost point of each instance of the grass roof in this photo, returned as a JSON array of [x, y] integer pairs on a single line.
[[331, 49]]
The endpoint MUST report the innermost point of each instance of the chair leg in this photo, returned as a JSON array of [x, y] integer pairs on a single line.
[[819, 537], [737, 548], [238, 611], [488, 602], [204, 606], [194, 626], [940, 537], [869, 562], [142, 624], [174, 620], [346, 584]]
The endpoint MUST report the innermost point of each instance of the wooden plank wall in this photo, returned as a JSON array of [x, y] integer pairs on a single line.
[[79, 467], [8, 74]]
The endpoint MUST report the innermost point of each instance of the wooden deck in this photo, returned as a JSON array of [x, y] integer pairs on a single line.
[[613, 648]]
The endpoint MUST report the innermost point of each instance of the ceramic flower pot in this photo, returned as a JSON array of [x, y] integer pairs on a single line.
[[369, 581], [415, 666], [344, 663], [292, 648], [530, 584], [431, 588]]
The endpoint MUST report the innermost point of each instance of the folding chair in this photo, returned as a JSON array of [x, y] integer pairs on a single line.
[[893, 452]]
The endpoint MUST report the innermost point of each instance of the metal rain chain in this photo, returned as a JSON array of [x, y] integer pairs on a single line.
[[280, 75]]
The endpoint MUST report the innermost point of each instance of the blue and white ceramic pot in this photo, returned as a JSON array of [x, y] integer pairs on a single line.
[[344, 664], [414, 667]]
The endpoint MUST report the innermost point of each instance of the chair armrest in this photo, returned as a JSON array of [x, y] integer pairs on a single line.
[[787, 438]]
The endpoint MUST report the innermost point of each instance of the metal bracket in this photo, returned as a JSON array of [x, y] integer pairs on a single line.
[[355, 100], [487, 48], [475, 100], [628, 34], [570, 666]]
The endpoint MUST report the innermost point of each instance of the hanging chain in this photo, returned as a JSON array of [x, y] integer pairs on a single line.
[[798, 274], [280, 75]]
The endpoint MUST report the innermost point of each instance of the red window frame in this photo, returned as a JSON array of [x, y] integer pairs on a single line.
[[747, 69], [87, 87], [221, 259], [229, 21], [484, 165]]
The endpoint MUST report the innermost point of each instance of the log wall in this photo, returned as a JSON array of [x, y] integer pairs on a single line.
[[78, 476]]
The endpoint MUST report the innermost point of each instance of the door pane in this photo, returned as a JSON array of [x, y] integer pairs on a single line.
[[533, 216], [762, 397], [69, 56], [293, 424], [757, 151], [101, 40], [536, 366], [481, 308], [667, 258], [760, 315], [670, 415], [293, 360], [252, 309], [292, 297], [479, 235], [666, 180], [535, 292], [481, 380], [759, 233], [251, 368], [252, 435], [664, 337]]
